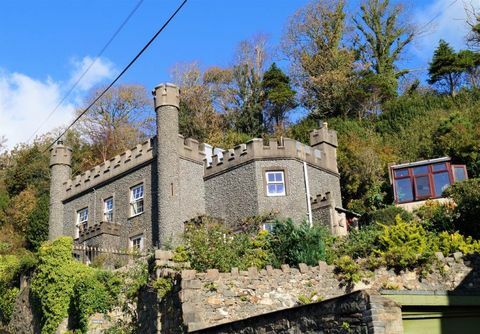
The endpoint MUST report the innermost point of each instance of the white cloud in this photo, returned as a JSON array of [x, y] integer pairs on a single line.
[[98, 71], [25, 102], [449, 23]]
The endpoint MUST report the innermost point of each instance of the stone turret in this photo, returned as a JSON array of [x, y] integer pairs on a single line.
[[166, 100], [60, 170], [325, 140]]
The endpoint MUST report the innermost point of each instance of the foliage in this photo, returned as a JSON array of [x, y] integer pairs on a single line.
[[54, 281], [437, 216], [405, 245], [348, 270], [279, 95], [210, 245], [37, 228], [445, 69], [455, 242], [386, 216], [466, 195], [163, 285], [359, 243], [294, 244]]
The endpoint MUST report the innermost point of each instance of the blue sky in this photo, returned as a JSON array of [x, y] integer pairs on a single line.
[[46, 44]]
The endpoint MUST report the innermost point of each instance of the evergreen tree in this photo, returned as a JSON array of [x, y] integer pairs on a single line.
[[445, 68], [279, 95]]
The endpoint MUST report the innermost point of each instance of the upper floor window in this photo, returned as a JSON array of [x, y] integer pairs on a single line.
[[413, 182], [108, 209], [82, 221], [136, 200], [275, 183]]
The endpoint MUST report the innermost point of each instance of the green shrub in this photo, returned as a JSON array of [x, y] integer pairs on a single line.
[[348, 270], [210, 244], [449, 243], [7, 301], [360, 243], [54, 281], [385, 216], [466, 195], [163, 285], [293, 244], [405, 245], [437, 216]]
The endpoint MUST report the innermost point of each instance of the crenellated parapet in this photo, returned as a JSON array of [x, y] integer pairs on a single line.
[[108, 169], [323, 135], [257, 149], [191, 149]]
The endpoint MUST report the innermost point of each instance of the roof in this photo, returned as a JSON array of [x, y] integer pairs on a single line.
[[420, 163]]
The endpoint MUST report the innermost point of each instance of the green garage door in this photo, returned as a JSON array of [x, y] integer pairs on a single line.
[[441, 320]]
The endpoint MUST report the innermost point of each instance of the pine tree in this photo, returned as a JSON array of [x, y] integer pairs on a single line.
[[279, 95], [445, 68]]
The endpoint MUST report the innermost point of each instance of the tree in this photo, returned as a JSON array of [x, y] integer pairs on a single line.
[[382, 37], [118, 121], [445, 69], [321, 66], [473, 20], [469, 61], [197, 116], [279, 95]]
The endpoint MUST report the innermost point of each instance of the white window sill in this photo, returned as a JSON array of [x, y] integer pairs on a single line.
[[136, 215]]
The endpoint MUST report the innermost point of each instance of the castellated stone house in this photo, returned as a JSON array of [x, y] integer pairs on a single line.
[[141, 198]]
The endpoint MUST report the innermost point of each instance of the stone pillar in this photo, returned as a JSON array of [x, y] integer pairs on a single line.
[[60, 172], [326, 141], [166, 100]]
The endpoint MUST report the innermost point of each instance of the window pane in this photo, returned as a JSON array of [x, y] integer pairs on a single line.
[[439, 167], [279, 177], [401, 172], [279, 188], [403, 187], [441, 182], [271, 189], [459, 173], [271, 177], [420, 170], [422, 186]]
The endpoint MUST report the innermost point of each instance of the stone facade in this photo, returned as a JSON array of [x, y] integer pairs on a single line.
[[179, 179]]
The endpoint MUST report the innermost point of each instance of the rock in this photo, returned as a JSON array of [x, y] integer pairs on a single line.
[[213, 300], [163, 254], [303, 268], [439, 256], [457, 256], [212, 274], [285, 268]]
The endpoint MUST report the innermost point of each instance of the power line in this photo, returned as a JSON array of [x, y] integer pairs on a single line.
[[75, 84], [121, 73], [439, 13]]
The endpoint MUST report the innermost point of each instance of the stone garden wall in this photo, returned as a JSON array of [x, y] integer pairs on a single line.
[[214, 298]]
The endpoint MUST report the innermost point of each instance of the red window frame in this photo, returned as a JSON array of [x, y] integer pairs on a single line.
[[430, 174]]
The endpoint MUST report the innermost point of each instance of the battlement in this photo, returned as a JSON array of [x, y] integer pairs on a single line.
[[257, 149], [60, 155], [191, 149], [323, 135], [322, 200], [110, 168]]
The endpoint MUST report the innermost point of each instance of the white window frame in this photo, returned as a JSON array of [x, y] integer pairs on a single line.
[[81, 220], [282, 182], [108, 212], [136, 200], [141, 242], [269, 227]]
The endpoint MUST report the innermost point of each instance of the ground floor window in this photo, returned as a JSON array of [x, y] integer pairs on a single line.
[[137, 243]]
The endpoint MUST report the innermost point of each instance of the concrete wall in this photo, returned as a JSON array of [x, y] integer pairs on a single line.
[[119, 188]]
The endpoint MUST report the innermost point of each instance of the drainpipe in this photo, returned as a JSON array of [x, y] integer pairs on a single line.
[[307, 187]]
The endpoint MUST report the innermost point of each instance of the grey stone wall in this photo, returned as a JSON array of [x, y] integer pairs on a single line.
[[120, 190], [322, 182], [360, 312], [294, 203], [192, 190], [232, 195]]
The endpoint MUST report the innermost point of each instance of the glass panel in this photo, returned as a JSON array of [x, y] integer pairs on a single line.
[[459, 173], [401, 172], [279, 177], [420, 170], [422, 186], [441, 182], [438, 167], [271, 189], [279, 188], [403, 188], [271, 177]]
